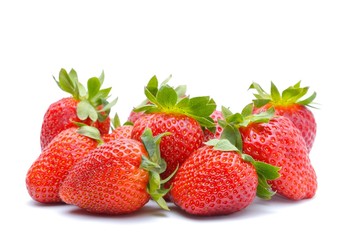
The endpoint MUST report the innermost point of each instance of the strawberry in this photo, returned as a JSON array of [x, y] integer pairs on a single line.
[[217, 180], [118, 177], [183, 118], [46, 174], [89, 107], [290, 105], [208, 135], [275, 140]]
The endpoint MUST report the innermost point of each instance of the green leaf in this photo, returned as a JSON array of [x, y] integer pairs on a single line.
[[154, 181], [149, 143], [167, 97], [152, 86], [263, 189], [221, 145], [90, 132], [108, 106], [101, 78], [170, 176], [116, 121], [261, 92], [232, 134], [148, 165], [151, 97], [73, 75], [269, 171], [226, 112], [260, 102], [247, 110], [236, 118], [183, 104], [82, 91], [67, 84], [201, 106], [93, 87], [181, 91], [308, 101], [275, 94], [263, 117], [86, 110], [265, 172]]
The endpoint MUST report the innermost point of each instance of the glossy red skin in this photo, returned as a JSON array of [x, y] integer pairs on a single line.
[[109, 180], [61, 115], [185, 137], [281, 144], [301, 116], [208, 135], [212, 182], [119, 132], [46, 174], [134, 116]]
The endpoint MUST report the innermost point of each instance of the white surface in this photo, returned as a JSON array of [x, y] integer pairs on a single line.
[[217, 48]]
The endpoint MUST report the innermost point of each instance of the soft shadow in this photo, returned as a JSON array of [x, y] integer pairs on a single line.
[[45, 205], [150, 209], [257, 208]]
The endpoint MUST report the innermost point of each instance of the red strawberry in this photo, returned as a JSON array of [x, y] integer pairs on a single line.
[[117, 178], [218, 180], [290, 105], [89, 107], [208, 135], [119, 132], [46, 174], [182, 118], [278, 142]]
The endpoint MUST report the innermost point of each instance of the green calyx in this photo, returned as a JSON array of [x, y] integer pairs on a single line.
[[155, 165], [90, 132], [166, 99], [291, 95], [231, 140], [264, 171], [233, 121], [93, 101]]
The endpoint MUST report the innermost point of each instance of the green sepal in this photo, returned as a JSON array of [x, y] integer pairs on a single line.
[[90, 132], [86, 110], [291, 95], [246, 117], [68, 82], [154, 165], [90, 98], [223, 145], [232, 134], [265, 172], [167, 99]]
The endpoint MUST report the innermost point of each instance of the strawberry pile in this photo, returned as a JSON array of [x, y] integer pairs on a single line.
[[173, 148]]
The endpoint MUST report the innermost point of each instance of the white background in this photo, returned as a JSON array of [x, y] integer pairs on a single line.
[[216, 48]]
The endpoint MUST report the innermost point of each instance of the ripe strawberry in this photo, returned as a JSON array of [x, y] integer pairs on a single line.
[[118, 177], [275, 140], [182, 118], [208, 135], [46, 174], [91, 107], [124, 131], [216, 180], [288, 104]]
